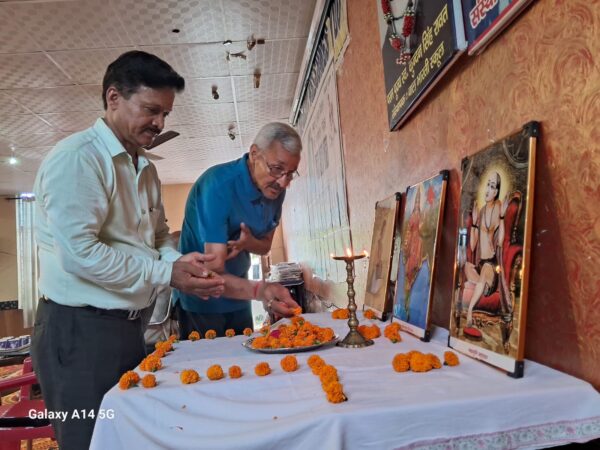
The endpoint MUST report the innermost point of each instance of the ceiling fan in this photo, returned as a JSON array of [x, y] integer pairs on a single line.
[[158, 140]]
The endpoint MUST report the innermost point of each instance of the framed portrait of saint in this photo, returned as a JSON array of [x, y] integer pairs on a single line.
[[489, 304], [378, 293], [420, 230]]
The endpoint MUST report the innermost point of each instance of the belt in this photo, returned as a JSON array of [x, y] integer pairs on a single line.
[[119, 313]]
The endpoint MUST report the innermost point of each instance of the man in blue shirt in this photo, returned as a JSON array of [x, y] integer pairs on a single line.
[[232, 211]]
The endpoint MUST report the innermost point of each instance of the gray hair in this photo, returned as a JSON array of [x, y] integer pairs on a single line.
[[281, 132]]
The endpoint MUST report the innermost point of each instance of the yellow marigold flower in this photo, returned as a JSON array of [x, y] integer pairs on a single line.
[[129, 379], [235, 372], [151, 363], [149, 381], [335, 392], [262, 369], [451, 359], [215, 372], [369, 314], [210, 334], [401, 363], [248, 331], [434, 361], [328, 374], [230, 332], [342, 313], [289, 363], [194, 336], [189, 376]]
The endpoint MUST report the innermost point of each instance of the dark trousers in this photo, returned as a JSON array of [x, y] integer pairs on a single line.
[[190, 321], [78, 355]]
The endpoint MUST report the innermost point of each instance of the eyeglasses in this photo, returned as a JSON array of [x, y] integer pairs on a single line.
[[278, 172]]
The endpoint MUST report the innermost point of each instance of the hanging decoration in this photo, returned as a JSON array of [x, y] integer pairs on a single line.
[[400, 42]]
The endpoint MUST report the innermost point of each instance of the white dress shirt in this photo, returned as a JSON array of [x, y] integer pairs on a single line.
[[100, 225]]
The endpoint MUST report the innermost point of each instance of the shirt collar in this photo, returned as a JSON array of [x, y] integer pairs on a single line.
[[249, 189], [108, 138]]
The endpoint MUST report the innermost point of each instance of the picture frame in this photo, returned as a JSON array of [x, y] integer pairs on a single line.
[[489, 303], [378, 292], [485, 19], [421, 227]]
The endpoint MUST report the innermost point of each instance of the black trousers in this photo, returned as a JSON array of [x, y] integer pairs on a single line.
[[190, 321], [78, 355]]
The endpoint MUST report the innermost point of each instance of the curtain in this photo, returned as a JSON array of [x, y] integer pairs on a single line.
[[27, 259]]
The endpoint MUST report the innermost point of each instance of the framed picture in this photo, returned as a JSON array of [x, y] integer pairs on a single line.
[[489, 304], [420, 230], [378, 295], [420, 41], [485, 19]]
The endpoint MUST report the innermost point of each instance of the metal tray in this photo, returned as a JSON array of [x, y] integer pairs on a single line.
[[248, 345]]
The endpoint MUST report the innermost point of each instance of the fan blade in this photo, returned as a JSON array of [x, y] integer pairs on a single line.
[[154, 157], [162, 138]]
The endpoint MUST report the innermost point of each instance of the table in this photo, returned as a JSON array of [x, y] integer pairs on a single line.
[[468, 406]]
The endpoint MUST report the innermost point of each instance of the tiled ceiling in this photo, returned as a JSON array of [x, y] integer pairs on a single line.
[[53, 55]]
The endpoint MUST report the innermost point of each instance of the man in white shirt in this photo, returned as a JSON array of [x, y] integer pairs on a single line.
[[105, 249]]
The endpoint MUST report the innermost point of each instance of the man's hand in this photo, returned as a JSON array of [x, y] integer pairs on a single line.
[[277, 299], [191, 276], [235, 247]]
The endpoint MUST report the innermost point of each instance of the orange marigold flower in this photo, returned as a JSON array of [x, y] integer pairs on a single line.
[[248, 331], [369, 314], [420, 363], [230, 332], [194, 336], [159, 353], [215, 372], [149, 381], [235, 372], [289, 363], [392, 332], [369, 332], [189, 376], [262, 369], [401, 363], [166, 346], [315, 361], [335, 392], [434, 361], [342, 313], [265, 330], [297, 311], [151, 363], [129, 379], [451, 359], [298, 320], [328, 374], [210, 334], [173, 338]]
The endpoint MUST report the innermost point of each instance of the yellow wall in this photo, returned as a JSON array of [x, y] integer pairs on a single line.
[[8, 251], [174, 198]]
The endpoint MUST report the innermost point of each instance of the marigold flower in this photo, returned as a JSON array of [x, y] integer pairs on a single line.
[[194, 336], [335, 392], [297, 311], [298, 320], [262, 369], [434, 361], [215, 372], [342, 313], [173, 338], [166, 346], [420, 363], [289, 363], [451, 359], [248, 331], [401, 363], [265, 330], [129, 379], [315, 361], [230, 332], [159, 353], [392, 332], [327, 374], [189, 376], [369, 332], [149, 381], [369, 314], [151, 363], [235, 372], [210, 334]]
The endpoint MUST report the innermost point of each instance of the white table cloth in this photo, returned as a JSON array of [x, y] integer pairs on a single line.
[[468, 406]]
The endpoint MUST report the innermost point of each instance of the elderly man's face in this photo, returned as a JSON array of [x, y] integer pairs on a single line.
[[272, 169], [141, 117]]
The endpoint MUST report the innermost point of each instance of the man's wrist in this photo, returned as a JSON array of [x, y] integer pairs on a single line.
[[258, 290]]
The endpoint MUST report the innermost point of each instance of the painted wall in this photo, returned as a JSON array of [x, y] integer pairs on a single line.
[[545, 67], [8, 251], [174, 197]]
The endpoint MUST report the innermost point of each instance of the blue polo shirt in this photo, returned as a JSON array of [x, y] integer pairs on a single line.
[[222, 198]]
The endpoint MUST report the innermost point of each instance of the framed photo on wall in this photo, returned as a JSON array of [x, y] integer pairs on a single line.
[[378, 294], [485, 19], [489, 304], [420, 230]]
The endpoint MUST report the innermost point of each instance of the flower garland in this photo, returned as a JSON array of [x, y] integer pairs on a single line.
[[400, 42]]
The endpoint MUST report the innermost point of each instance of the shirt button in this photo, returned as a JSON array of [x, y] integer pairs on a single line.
[[143, 211]]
